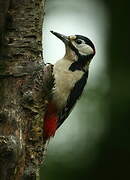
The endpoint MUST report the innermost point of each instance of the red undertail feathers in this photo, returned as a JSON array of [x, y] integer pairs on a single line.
[[50, 121]]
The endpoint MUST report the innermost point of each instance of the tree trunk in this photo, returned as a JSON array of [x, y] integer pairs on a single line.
[[24, 89]]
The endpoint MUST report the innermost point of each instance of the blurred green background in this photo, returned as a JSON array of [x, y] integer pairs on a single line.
[[94, 142]]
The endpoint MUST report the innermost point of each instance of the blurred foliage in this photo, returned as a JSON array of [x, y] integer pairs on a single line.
[[103, 150]]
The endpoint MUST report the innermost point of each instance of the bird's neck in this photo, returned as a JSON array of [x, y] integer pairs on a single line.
[[79, 62], [71, 55]]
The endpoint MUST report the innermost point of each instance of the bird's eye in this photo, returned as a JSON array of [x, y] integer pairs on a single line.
[[78, 41]]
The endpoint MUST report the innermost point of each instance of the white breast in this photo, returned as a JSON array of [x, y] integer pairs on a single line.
[[64, 81]]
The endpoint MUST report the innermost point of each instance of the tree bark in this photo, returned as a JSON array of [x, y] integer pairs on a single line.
[[25, 86]]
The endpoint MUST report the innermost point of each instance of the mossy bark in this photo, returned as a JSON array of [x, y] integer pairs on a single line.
[[24, 88]]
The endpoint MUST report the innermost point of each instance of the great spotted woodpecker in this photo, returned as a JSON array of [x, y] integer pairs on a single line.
[[70, 76]]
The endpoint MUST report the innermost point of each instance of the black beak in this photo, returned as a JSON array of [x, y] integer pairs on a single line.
[[62, 37]]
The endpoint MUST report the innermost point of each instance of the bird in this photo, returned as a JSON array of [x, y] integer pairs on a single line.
[[70, 77]]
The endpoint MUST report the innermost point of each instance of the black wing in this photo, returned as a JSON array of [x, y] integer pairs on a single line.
[[72, 99]]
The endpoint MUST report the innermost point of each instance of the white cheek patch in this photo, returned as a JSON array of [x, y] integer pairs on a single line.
[[85, 50]]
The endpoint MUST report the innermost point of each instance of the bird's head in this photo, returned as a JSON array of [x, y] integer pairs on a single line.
[[79, 48]]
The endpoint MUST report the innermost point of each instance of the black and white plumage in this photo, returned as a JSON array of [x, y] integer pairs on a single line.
[[70, 76]]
